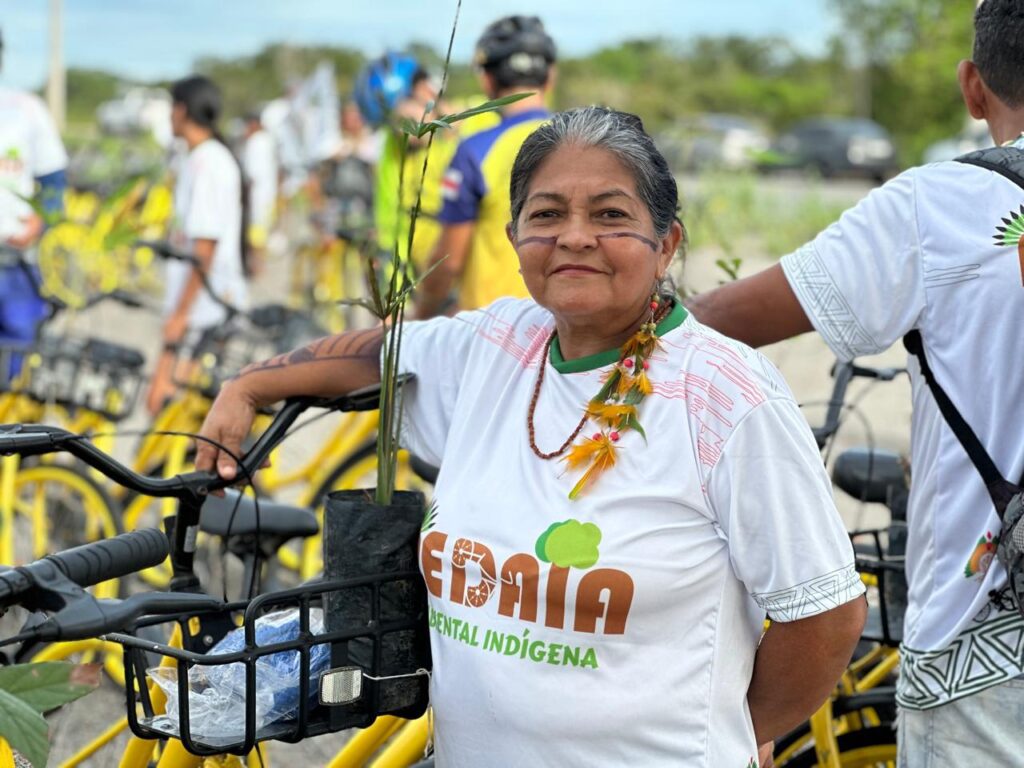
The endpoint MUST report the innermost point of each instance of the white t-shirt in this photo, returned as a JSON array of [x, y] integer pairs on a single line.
[[919, 252], [208, 205], [30, 147], [620, 628], [260, 160]]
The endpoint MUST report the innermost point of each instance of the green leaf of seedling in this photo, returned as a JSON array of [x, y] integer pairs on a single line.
[[50, 684], [608, 388], [24, 728], [487, 106], [409, 126]]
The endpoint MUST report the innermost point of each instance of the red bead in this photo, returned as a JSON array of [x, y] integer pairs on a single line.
[[628, 362], [654, 305], [597, 436], [646, 365], [614, 436]]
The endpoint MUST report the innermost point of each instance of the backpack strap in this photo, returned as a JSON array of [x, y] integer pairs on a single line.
[[1006, 161], [999, 488]]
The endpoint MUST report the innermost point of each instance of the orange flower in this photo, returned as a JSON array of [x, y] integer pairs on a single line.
[[643, 384], [599, 453], [641, 344], [611, 414]]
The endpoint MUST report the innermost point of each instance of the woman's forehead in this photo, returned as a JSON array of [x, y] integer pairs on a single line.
[[594, 171]]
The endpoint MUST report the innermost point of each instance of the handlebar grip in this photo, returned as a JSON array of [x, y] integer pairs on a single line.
[[88, 564], [126, 553]]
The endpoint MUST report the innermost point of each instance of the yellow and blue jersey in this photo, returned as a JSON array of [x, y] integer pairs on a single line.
[[475, 189]]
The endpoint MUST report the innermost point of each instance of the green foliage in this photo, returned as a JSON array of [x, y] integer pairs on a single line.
[[731, 214], [27, 691], [893, 60]]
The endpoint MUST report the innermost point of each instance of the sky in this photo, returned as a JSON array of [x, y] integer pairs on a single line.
[[159, 39]]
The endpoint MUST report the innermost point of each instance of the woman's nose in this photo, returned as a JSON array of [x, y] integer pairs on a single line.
[[577, 235]]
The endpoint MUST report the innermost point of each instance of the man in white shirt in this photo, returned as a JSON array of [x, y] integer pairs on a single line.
[[31, 153], [209, 222], [931, 251]]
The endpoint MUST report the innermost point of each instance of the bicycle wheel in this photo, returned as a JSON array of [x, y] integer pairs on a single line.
[[864, 748], [56, 507]]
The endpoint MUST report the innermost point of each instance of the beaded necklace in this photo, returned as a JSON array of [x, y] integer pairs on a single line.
[[613, 408]]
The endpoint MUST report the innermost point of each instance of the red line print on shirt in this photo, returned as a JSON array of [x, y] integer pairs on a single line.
[[503, 335]]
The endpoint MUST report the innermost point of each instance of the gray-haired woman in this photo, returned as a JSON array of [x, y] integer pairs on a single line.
[[624, 494]]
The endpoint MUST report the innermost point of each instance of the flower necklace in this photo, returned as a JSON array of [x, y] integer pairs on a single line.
[[614, 407]]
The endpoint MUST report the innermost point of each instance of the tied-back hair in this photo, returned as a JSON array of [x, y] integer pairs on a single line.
[[203, 106], [620, 133], [999, 49]]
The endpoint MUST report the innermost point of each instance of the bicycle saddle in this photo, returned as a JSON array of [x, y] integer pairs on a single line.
[[105, 352], [869, 474], [274, 519]]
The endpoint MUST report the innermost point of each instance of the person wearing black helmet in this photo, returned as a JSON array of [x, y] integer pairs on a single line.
[[473, 256], [32, 165]]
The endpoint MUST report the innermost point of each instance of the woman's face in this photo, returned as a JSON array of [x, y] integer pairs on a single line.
[[586, 242]]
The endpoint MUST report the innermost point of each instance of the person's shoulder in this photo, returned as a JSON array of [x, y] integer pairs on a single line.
[[740, 376], [24, 101]]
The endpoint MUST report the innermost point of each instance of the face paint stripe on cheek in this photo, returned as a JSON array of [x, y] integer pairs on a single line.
[[537, 239], [650, 243]]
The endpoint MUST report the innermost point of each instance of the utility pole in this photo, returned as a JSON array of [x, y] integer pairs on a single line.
[[56, 91]]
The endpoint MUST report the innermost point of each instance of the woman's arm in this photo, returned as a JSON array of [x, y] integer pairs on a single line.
[[328, 367], [797, 666]]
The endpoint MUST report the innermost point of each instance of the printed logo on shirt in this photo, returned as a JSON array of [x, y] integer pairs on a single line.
[[980, 560], [530, 588], [1012, 234], [11, 162], [451, 184]]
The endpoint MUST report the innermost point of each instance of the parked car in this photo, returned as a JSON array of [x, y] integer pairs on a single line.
[[714, 140], [838, 145], [974, 136]]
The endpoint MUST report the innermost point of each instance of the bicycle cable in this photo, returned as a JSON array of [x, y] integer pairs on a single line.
[[254, 579]]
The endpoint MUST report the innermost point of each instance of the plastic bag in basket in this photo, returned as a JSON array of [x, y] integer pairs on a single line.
[[216, 703]]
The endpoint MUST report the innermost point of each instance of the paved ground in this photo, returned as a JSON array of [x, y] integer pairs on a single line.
[[805, 362]]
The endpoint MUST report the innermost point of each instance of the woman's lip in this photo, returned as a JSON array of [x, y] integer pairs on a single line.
[[576, 268]]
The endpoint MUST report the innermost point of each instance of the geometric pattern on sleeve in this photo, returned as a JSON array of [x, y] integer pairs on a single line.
[[817, 595], [834, 318]]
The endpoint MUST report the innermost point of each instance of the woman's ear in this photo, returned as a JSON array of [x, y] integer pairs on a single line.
[[509, 234], [669, 246]]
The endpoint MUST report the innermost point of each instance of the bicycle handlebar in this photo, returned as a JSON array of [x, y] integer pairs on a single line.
[[843, 373], [87, 564], [167, 251]]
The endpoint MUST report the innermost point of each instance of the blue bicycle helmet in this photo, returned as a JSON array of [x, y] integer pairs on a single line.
[[382, 83]]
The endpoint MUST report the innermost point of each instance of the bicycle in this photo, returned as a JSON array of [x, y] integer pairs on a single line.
[[344, 459], [89, 383], [855, 728], [201, 619]]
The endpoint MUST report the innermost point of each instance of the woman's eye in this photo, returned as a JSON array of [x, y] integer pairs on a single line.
[[544, 214], [612, 213]]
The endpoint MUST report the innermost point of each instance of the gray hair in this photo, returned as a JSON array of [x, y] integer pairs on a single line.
[[620, 133]]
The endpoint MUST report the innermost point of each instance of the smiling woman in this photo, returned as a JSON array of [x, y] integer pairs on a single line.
[[696, 503]]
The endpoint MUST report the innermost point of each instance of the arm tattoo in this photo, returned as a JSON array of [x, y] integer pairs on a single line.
[[355, 346]]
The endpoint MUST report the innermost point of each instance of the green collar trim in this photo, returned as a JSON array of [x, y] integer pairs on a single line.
[[670, 322]]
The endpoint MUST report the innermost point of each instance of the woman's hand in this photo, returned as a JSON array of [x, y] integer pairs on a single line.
[[228, 423]]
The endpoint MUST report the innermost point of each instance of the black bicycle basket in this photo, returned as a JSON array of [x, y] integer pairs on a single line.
[[235, 683], [72, 372]]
